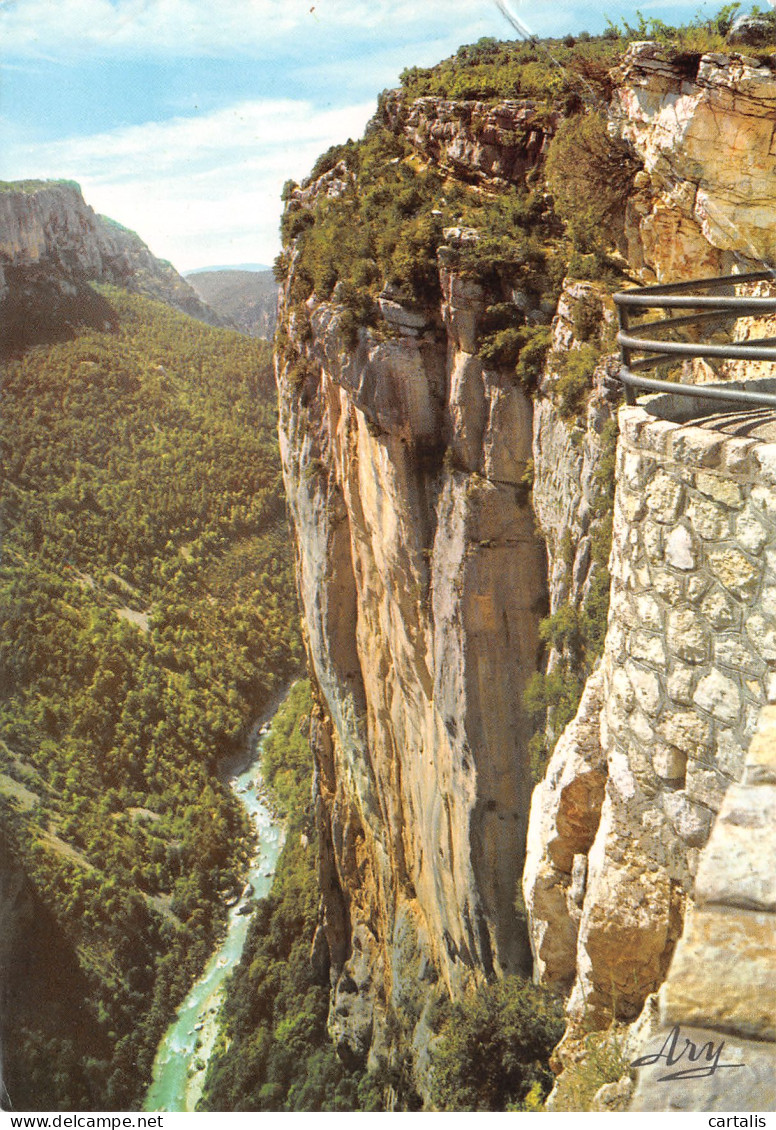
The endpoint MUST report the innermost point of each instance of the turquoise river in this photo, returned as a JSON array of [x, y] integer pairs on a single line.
[[181, 1061]]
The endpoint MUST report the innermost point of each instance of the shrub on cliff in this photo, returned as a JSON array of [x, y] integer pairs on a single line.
[[494, 1048], [591, 176]]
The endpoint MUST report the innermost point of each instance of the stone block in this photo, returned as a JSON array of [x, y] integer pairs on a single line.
[[719, 609], [708, 521], [637, 470], [763, 501], [641, 728], [621, 607], [668, 585], [751, 535], [687, 637], [680, 684], [664, 497], [632, 503], [765, 458], [731, 652], [722, 490], [648, 647], [736, 455], [752, 712], [687, 731], [690, 821], [697, 585], [643, 577], [705, 785], [750, 1087], [767, 602], [655, 435], [622, 691], [696, 448], [731, 753], [737, 866], [762, 633], [652, 538], [761, 755], [723, 973], [649, 612], [719, 695], [670, 764], [646, 688], [680, 550], [617, 642], [736, 572], [631, 421]]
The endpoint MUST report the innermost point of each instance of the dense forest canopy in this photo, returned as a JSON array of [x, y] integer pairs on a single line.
[[148, 615]]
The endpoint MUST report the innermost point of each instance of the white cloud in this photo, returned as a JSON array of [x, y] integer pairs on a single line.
[[200, 27], [199, 189]]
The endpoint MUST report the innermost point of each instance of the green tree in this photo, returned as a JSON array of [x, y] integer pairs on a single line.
[[494, 1048]]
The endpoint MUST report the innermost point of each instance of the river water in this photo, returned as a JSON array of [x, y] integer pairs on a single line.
[[181, 1061]]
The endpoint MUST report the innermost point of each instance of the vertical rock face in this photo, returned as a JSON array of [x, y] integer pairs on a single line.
[[420, 578]]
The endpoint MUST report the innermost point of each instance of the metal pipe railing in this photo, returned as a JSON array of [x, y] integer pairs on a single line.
[[707, 307]]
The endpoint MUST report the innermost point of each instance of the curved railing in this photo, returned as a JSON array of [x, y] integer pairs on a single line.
[[708, 307]]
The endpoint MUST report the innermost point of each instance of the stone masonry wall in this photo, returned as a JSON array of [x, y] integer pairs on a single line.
[[721, 987], [690, 658], [692, 636]]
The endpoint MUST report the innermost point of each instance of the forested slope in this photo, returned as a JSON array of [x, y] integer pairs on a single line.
[[148, 614]]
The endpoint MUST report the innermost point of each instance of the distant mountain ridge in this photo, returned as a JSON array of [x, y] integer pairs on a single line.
[[228, 267], [247, 299], [52, 245]]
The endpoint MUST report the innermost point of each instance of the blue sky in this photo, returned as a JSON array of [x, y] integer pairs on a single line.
[[182, 118]]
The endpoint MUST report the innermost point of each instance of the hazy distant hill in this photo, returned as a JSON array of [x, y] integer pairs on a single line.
[[52, 246], [247, 299]]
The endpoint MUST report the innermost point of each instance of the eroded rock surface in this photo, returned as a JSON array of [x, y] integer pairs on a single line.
[[705, 135]]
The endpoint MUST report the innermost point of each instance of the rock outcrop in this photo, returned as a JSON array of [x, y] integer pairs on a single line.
[[704, 129], [481, 141], [52, 245]]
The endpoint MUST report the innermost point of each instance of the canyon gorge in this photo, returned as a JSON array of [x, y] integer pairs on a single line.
[[540, 622]]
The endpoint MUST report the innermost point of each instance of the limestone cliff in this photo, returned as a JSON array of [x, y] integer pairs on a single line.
[[423, 581], [52, 245]]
